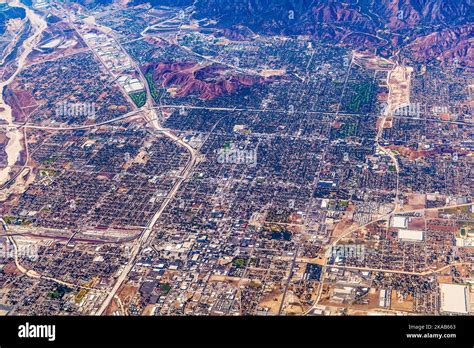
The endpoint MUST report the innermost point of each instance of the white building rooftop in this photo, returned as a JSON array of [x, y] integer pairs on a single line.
[[410, 235], [399, 222], [454, 298]]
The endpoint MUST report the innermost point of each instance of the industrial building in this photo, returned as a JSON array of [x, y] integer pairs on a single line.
[[454, 298]]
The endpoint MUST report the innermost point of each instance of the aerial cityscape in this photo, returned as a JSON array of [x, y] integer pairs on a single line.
[[236, 157]]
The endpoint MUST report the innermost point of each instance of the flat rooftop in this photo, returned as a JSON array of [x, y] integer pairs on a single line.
[[399, 222], [410, 235], [454, 298]]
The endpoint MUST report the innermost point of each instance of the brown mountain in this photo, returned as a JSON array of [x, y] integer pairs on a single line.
[[431, 28], [451, 45], [409, 14], [206, 82], [365, 24]]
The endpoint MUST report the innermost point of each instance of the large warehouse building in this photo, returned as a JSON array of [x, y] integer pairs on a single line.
[[454, 298]]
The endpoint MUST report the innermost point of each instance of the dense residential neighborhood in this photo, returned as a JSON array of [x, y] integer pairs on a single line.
[[154, 163]]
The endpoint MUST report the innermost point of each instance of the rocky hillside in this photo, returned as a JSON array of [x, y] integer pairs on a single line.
[[429, 28], [205, 82]]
